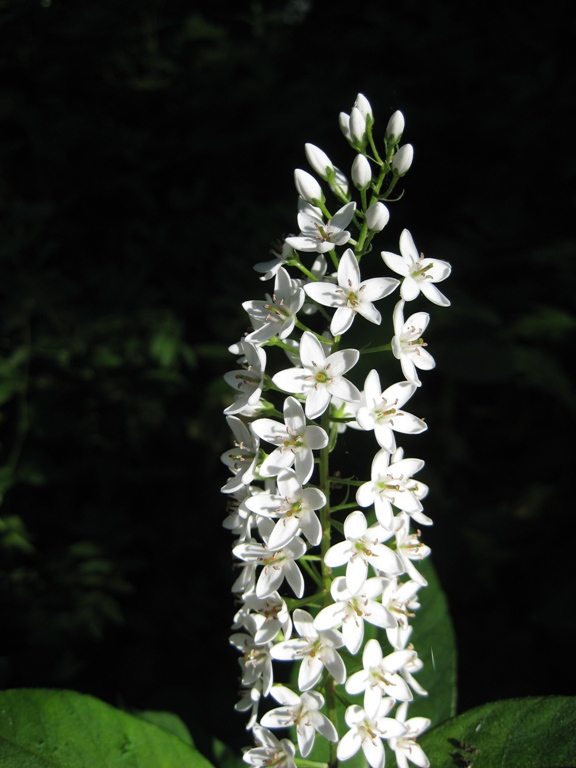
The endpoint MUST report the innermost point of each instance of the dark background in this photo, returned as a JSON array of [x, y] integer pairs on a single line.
[[146, 159]]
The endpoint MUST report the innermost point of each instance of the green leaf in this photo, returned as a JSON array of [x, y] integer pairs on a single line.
[[535, 732], [64, 729], [433, 638], [169, 721]]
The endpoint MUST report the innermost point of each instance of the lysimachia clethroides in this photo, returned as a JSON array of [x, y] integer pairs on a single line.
[[328, 577]]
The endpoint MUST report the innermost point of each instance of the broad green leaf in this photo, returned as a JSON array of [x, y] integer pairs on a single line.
[[169, 721], [433, 638], [65, 729], [535, 732]]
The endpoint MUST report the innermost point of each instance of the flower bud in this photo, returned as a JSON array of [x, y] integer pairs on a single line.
[[319, 161], [339, 183], [344, 120], [395, 127], [361, 172], [403, 159], [357, 125], [364, 106], [377, 217], [307, 186]]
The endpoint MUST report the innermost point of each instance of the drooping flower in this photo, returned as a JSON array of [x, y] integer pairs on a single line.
[[303, 712], [321, 377], [271, 752], [248, 381], [408, 344], [351, 296], [242, 458], [295, 442], [419, 273], [383, 412]]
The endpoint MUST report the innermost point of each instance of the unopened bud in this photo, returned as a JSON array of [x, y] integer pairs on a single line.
[[395, 127], [307, 186], [361, 172], [357, 125], [344, 121], [319, 161], [403, 159], [377, 216], [364, 106]]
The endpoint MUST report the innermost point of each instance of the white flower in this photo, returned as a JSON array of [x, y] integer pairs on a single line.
[[247, 382], [315, 648], [401, 600], [383, 412], [277, 564], [361, 172], [405, 747], [362, 546], [350, 611], [380, 677], [319, 161], [277, 315], [269, 614], [364, 106], [256, 662], [392, 484], [357, 125], [320, 377], [242, 458], [304, 713], [294, 439], [409, 548], [249, 701], [307, 186], [320, 236], [408, 344], [368, 732], [272, 753], [377, 216], [351, 296], [294, 505], [403, 160], [395, 127], [281, 252], [419, 273]]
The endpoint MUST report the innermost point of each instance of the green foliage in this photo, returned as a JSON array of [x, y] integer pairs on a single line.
[[534, 732], [65, 729]]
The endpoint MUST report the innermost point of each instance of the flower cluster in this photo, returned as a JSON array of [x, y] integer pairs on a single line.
[[320, 555]]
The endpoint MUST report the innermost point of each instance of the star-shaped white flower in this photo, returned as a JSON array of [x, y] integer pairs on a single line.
[[277, 564], [408, 344], [350, 611], [295, 441], [316, 649], [321, 377], [392, 485], [318, 235], [303, 712], [380, 677], [383, 412], [367, 733], [401, 599], [419, 273], [294, 506], [351, 296], [363, 546], [276, 315], [242, 458], [405, 747]]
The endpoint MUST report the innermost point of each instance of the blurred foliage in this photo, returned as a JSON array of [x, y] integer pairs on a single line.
[[146, 159]]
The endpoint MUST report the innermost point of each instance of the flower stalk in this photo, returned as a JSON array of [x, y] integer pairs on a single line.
[[321, 553]]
